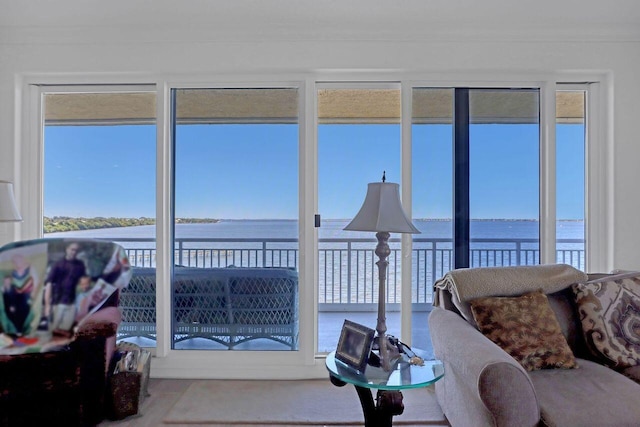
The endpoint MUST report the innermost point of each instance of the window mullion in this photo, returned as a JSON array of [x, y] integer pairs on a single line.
[[548, 173]]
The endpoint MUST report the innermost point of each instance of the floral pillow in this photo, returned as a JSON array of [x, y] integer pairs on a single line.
[[609, 309], [525, 327]]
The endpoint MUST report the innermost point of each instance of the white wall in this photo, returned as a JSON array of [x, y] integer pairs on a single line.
[[66, 52]]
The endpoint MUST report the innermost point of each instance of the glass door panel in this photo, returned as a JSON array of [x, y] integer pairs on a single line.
[[99, 182], [504, 182], [358, 140], [235, 279], [570, 177], [432, 193]]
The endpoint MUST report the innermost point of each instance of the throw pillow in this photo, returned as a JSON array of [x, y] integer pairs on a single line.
[[609, 309], [525, 327]]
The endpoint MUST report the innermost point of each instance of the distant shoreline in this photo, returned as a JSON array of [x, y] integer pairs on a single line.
[[59, 224]]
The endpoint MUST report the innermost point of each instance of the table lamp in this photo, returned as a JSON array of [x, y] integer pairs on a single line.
[[8, 209], [382, 212]]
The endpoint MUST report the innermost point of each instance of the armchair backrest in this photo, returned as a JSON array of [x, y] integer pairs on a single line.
[[50, 287]]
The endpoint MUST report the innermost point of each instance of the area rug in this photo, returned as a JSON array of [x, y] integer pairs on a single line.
[[300, 402]]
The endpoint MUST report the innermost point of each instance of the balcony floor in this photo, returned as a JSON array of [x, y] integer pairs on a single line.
[[330, 325]]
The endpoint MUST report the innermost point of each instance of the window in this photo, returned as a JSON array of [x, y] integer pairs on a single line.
[[504, 177], [358, 140], [99, 176], [432, 187], [478, 151], [570, 177], [236, 219]]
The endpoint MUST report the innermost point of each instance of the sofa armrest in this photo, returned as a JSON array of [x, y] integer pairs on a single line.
[[482, 384]]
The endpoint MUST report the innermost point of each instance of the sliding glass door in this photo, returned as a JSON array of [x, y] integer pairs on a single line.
[[358, 140], [235, 275], [571, 145], [432, 195], [99, 182], [475, 185], [475, 179], [504, 177]]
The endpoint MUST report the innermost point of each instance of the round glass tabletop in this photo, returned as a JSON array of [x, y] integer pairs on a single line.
[[404, 376]]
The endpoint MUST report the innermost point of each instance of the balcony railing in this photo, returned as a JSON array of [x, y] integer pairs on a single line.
[[346, 268]]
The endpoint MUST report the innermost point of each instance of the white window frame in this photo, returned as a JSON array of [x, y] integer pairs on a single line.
[[306, 363], [236, 363]]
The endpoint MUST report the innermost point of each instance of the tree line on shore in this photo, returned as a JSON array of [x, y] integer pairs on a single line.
[[59, 224]]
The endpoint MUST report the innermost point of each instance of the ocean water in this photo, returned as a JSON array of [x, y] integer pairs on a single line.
[[333, 229], [250, 243]]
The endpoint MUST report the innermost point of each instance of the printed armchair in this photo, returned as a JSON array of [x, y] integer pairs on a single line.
[[58, 317]]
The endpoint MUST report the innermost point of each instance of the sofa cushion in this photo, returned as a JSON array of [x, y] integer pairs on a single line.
[[564, 306], [590, 396], [609, 310], [526, 328], [633, 373]]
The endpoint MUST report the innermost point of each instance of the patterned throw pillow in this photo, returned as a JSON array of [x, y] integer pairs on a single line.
[[609, 310], [525, 327]]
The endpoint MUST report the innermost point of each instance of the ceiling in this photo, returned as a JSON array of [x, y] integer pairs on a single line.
[[362, 19], [281, 106]]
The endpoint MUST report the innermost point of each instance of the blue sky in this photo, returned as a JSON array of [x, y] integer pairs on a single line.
[[251, 171]]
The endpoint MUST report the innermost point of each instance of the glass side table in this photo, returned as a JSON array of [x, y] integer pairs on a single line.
[[388, 402]]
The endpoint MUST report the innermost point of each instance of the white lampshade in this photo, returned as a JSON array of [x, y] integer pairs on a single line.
[[382, 211], [8, 208]]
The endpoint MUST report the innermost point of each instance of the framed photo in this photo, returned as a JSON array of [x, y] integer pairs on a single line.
[[354, 345]]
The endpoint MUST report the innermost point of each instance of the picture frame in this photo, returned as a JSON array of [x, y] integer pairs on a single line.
[[354, 345]]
